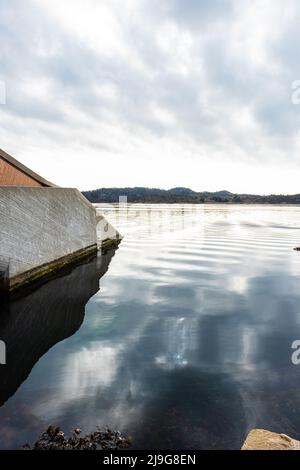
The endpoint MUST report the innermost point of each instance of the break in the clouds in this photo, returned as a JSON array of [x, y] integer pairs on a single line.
[[157, 93]]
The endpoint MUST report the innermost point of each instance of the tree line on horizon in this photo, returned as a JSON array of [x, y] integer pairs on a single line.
[[184, 195]]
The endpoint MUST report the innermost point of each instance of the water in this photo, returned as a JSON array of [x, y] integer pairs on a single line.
[[187, 344]]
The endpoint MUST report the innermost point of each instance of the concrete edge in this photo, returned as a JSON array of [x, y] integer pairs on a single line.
[[46, 270], [56, 188], [109, 243]]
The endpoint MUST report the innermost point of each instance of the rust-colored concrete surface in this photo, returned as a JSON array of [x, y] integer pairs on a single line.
[[12, 176]]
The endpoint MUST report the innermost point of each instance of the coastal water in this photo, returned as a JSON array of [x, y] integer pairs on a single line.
[[186, 345]]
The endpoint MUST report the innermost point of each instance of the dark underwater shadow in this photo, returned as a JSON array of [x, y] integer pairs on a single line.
[[32, 324]]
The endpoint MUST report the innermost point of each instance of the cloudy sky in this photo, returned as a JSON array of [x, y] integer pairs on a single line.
[[159, 93]]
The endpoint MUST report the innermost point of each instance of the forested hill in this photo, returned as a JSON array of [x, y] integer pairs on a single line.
[[184, 195]]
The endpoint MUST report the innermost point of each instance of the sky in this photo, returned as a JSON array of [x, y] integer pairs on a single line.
[[157, 93]]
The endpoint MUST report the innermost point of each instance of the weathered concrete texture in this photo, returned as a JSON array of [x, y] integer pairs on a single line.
[[106, 233], [260, 439], [48, 270], [42, 229]]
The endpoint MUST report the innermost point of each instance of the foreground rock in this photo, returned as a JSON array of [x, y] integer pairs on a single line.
[[260, 439], [55, 439]]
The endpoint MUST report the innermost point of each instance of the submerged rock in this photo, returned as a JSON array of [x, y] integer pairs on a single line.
[[260, 439], [54, 439]]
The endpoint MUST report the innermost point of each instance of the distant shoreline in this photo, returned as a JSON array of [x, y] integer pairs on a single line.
[[185, 196], [283, 204]]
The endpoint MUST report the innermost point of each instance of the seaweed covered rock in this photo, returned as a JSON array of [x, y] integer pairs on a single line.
[[54, 439]]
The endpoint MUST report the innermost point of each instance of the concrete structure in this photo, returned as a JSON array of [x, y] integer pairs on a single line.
[[43, 228], [14, 173]]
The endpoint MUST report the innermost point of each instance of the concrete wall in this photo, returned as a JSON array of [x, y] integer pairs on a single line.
[[105, 231], [40, 225], [12, 176]]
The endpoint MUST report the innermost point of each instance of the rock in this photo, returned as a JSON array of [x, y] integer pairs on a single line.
[[297, 248], [54, 439], [52, 431], [260, 439]]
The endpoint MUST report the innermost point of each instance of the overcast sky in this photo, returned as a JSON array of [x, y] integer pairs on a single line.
[[158, 93]]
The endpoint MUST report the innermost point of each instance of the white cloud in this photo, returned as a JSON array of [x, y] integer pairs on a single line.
[[194, 93]]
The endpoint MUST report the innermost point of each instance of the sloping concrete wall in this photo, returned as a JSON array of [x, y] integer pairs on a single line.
[[40, 225], [105, 231]]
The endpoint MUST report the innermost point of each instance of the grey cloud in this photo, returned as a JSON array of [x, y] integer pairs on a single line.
[[217, 83], [194, 13]]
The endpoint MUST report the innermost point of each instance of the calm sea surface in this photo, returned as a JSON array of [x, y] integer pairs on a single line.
[[187, 344]]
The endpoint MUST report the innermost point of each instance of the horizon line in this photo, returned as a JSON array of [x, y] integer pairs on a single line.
[[194, 191]]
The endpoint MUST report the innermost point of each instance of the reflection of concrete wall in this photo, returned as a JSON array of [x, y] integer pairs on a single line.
[[39, 226], [31, 325], [4, 275]]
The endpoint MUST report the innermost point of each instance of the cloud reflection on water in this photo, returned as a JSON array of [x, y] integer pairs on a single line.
[[183, 358]]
